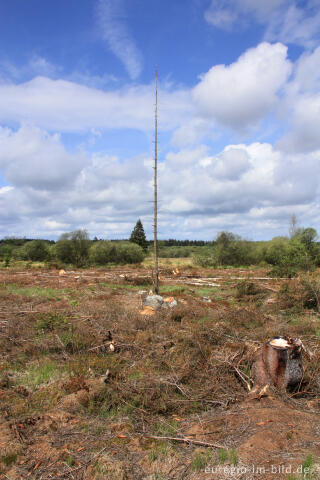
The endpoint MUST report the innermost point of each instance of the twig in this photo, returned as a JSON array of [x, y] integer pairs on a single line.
[[65, 355], [97, 347], [186, 440]]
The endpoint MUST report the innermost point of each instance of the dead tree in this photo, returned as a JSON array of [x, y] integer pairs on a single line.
[[278, 362], [155, 192]]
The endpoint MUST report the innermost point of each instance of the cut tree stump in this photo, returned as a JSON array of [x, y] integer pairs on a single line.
[[278, 362]]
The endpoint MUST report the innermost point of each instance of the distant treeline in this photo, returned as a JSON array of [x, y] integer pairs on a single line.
[[162, 243], [286, 256]]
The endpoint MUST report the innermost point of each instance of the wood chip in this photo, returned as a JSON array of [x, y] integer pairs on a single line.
[[264, 423], [147, 310]]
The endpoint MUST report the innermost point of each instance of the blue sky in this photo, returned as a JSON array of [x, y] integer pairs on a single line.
[[239, 108]]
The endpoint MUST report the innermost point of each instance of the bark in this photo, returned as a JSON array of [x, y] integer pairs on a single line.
[[279, 363]]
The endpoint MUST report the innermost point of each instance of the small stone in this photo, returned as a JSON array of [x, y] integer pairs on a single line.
[[206, 299]]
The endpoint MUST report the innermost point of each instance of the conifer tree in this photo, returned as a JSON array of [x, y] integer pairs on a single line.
[[138, 236]]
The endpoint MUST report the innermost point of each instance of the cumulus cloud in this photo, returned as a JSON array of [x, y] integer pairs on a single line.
[[231, 164], [304, 135], [238, 186], [67, 106], [31, 157], [240, 94], [284, 20], [302, 106], [192, 132], [113, 28]]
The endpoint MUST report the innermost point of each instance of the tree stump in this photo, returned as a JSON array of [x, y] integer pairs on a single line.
[[279, 363]]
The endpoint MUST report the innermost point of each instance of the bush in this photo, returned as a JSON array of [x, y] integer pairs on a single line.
[[104, 252], [294, 259], [130, 253], [230, 252], [207, 258], [275, 250], [73, 247], [36, 250]]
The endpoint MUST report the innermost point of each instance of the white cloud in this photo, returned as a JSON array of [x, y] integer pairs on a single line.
[[199, 192], [192, 132], [62, 105], [112, 25], [302, 106], [224, 14], [304, 135], [294, 24], [33, 158], [285, 20], [231, 164], [240, 94]]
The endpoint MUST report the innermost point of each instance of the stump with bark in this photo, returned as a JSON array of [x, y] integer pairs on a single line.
[[279, 363]]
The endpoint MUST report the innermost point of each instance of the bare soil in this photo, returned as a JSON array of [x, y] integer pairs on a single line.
[[71, 407]]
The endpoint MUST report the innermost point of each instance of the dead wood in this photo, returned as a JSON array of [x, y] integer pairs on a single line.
[[185, 440], [278, 362]]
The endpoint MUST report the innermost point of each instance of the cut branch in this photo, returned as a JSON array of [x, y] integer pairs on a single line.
[[187, 440]]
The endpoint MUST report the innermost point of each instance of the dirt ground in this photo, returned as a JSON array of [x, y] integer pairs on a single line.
[[169, 399]]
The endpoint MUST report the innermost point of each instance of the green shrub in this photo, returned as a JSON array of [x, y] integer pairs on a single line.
[[294, 258], [104, 252], [73, 247], [130, 253], [36, 250], [7, 255], [207, 258], [246, 287]]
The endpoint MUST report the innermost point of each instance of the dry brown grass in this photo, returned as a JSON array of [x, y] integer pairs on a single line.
[[177, 370]]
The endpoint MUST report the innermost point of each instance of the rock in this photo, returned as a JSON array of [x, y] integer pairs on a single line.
[[142, 292], [206, 299], [154, 301], [170, 302]]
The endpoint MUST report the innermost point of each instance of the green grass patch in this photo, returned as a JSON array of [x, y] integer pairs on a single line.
[[201, 459], [48, 293], [50, 321], [39, 374], [166, 428], [160, 451], [9, 459], [117, 286], [173, 289], [307, 465]]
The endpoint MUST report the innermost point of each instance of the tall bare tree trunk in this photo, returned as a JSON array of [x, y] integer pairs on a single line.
[[155, 185]]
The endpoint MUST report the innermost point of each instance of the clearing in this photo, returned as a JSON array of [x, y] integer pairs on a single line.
[[72, 408]]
